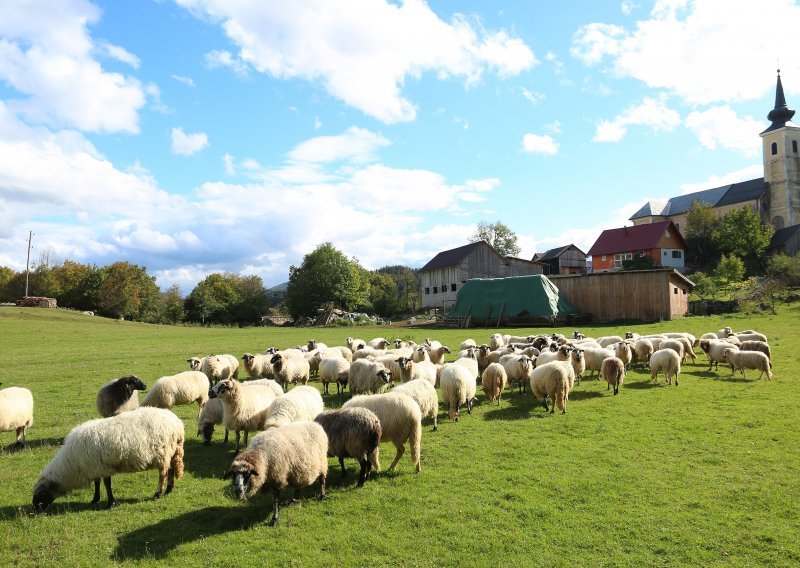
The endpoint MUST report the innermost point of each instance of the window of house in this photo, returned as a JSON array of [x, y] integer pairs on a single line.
[[452, 287], [676, 290], [684, 291], [603, 257], [774, 148], [794, 146], [676, 254], [435, 290], [620, 257], [427, 290]]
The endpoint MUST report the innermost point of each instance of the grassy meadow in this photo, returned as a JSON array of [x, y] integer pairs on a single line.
[[706, 473]]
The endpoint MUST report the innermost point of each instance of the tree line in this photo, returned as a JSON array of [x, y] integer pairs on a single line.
[[122, 289]]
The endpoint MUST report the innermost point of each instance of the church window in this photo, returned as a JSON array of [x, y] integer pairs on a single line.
[[774, 148], [794, 146]]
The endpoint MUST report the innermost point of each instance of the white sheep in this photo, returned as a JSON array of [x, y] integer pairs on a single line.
[[741, 360], [715, 350], [594, 359], [257, 366], [245, 407], [643, 349], [142, 439], [493, 381], [290, 370], [552, 380], [219, 367], [578, 361], [379, 343], [210, 415], [421, 353], [666, 361], [368, 377], [409, 370], [183, 388], [119, 395], [353, 433], [675, 344], [293, 456], [425, 395], [366, 352], [470, 363], [496, 341], [314, 345], [710, 336], [458, 387], [622, 351], [547, 356], [613, 371], [751, 337], [761, 346], [16, 412], [482, 356], [518, 369], [355, 344], [401, 422], [466, 344], [608, 340], [437, 351], [301, 403], [334, 370]]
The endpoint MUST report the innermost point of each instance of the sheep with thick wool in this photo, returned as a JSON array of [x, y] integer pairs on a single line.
[[293, 456], [401, 422], [466, 344], [183, 388], [458, 388], [760, 346], [552, 380], [245, 406], [755, 336], [496, 341], [138, 440], [470, 363], [741, 360], [301, 403], [216, 367], [290, 370], [410, 371], [715, 351], [211, 414], [355, 344], [436, 351], [609, 340], [16, 412], [675, 344], [379, 343], [493, 380], [425, 395], [119, 395], [367, 353], [518, 369], [353, 433], [334, 370], [665, 361], [643, 349], [623, 352], [613, 371], [594, 359], [368, 377], [258, 366]]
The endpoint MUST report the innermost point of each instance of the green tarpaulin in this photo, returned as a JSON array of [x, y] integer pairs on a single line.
[[517, 296]]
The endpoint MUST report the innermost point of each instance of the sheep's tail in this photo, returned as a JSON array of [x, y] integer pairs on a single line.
[[176, 463], [414, 439]]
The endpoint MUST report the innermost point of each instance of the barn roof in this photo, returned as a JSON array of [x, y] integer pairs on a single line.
[[452, 256], [638, 237], [555, 253], [782, 236]]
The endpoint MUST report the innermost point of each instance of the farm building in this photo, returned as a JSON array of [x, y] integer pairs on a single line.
[[646, 295], [567, 259], [444, 275], [785, 241], [660, 241]]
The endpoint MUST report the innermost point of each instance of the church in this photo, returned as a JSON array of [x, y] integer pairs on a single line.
[[776, 196]]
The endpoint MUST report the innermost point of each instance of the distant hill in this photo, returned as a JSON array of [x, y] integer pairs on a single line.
[[279, 288]]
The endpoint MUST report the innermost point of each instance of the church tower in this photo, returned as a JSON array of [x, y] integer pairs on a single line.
[[780, 204]]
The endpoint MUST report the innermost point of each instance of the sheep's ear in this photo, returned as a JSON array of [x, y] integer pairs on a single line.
[[228, 474], [253, 473]]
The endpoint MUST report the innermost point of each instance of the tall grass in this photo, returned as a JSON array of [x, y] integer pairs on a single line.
[[701, 474]]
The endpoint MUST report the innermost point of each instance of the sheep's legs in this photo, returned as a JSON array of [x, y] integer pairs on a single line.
[[276, 494], [170, 481], [401, 449], [238, 439], [435, 422], [111, 502], [322, 487], [362, 475], [162, 479], [21, 435], [344, 471], [96, 498]]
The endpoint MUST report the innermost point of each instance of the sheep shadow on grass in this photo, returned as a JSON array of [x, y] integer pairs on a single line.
[[516, 406], [583, 394], [209, 461], [61, 508]]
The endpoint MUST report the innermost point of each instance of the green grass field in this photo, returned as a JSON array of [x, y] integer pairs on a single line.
[[706, 473]]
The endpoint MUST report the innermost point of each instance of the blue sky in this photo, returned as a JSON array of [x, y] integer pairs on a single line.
[[200, 136]]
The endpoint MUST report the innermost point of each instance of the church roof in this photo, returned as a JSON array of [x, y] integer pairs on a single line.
[[781, 115], [724, 195]]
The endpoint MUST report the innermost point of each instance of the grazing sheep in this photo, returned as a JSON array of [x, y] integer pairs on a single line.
[[609, 340], [368, 377], [401, 421], [183, 388], [119, 395], [751, 337], [643, 349], [613, 371], [458, 387], [715, 350], [16, 412], [757, 346], [142, 439], [493, 381], [379, 343], [210, 415], [301, 403], [355, 344], [290, 370], [710, 336], [688, 348], [518, 369], [245, 406], [258, 366], [741, 360], [334, 370], [666, 361], [293, 456], [353, 433], [466, 344], [425, 395], [552, 380], [673, 344], [594, 359], [368, 352]]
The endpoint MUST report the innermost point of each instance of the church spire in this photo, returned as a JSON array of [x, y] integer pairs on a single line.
[[781, 114]]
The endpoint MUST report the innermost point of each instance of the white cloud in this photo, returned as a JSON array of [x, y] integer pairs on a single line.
[[721, 126], [188, 81], [362, 52], [693, 52], [356, 145], [119, 53], [188, 144], [651, 112], [534, 98], [744, 174], [46, 55], [228, 162], [536, 144]]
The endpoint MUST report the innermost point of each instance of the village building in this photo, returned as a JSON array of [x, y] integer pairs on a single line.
[[661, 241], [567, 259]]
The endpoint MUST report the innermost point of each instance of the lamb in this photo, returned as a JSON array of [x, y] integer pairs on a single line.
[[119, 395], [368, 377], [245, 406], [379, 343], [353, 433], [425, 395], [334, 370], [552, 380], [741, 360], [16, 412], [496, 341], [210, 415], [715, 350], [594, 359], [258, 366], [458, 387], [290, 370], [518, 369], [183, 388], [355, 344], [142, 439], [493, 381], [613, 371], [401, 421], [761, 346], [295, 456], [666, 361], [301, 403]]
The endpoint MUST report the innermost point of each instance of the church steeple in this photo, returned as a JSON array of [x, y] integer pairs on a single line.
[[781, 114]]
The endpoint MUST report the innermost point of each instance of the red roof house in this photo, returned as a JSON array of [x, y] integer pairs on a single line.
[[661, 241]]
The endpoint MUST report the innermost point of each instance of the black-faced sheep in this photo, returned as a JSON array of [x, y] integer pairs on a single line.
[[210, 415], [119, 395], [293, 456], [715, 350], [16, 412], [353, 433], [142, 439]]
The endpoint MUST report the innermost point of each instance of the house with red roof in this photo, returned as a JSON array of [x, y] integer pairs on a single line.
[[661, 241]]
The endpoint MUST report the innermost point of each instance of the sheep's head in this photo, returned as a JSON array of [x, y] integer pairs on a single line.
[[245, 475], [277, 361], [223, 389], [194, 363], [206, 430], [311, 345], [471, 353], [247, 359], [132, 383], [705, 344], [385, 375], [553, 347], [270, 350], [45, 492], [577, 354]]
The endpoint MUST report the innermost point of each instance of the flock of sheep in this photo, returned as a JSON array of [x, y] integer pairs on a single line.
[[294, 436]]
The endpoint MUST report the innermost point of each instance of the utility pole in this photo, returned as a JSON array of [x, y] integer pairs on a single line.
[[28, 262]]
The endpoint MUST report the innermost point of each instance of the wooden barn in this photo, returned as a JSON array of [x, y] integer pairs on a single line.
[[444, 275], [646, 295], [567, 259]]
